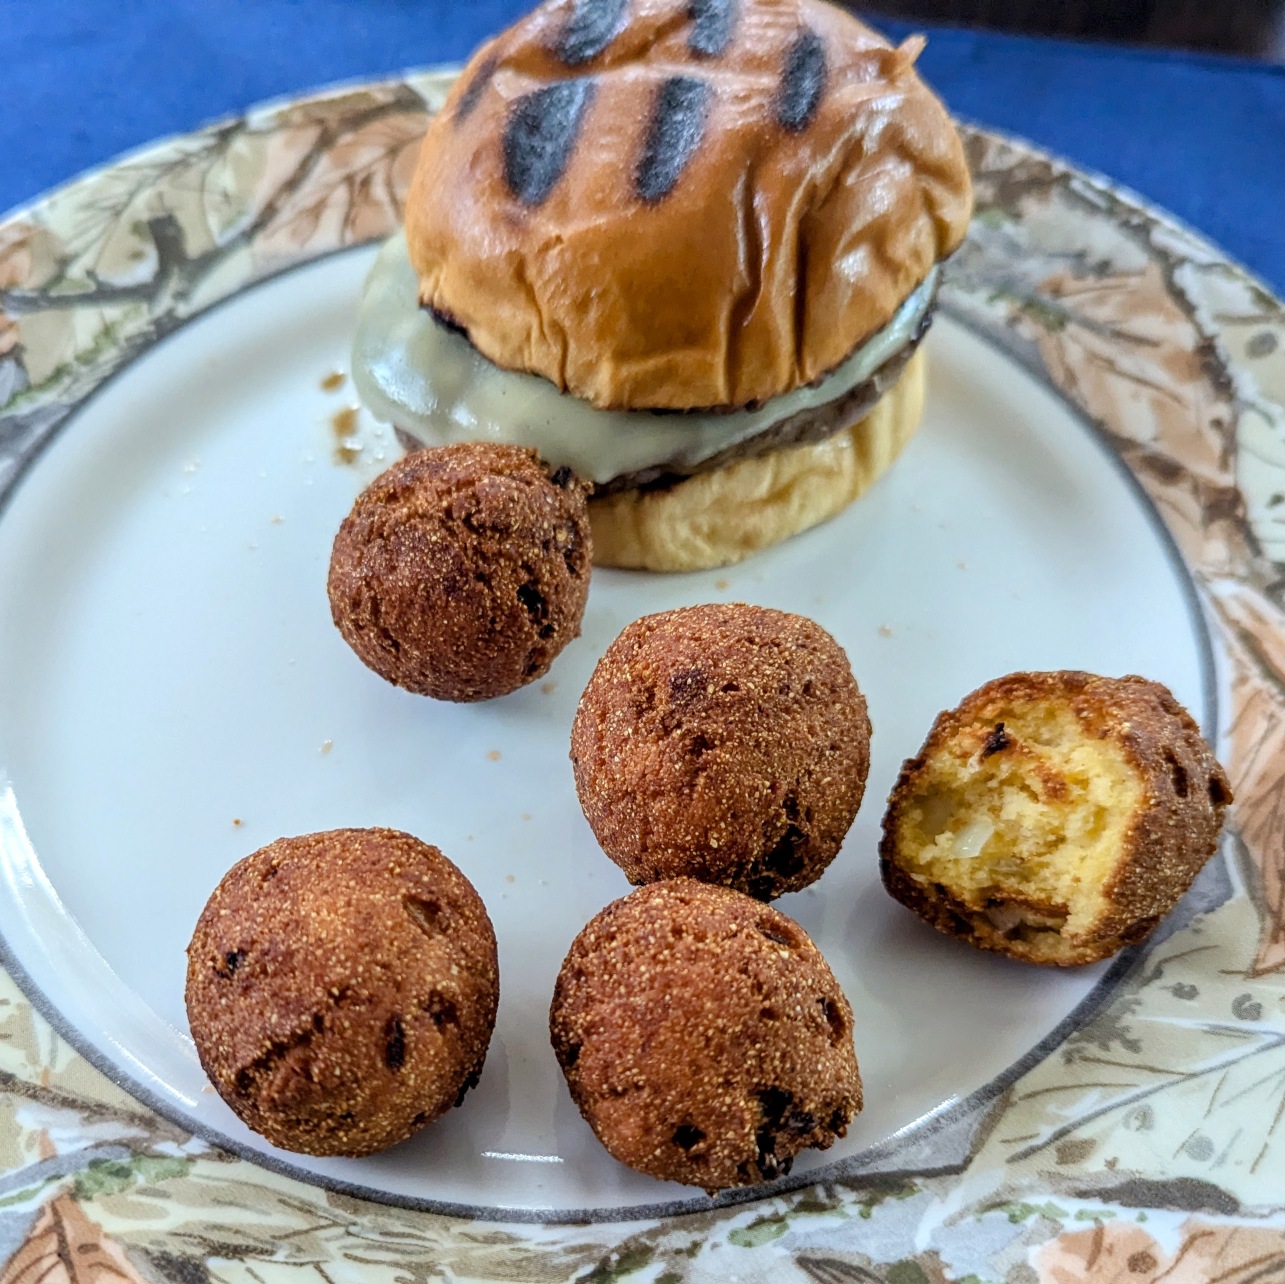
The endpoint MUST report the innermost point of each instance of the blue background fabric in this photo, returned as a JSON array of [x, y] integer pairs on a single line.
[[87, 79]]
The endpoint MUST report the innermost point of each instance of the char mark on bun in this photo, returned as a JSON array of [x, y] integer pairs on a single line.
[[677, 126], [594, 25], [803, 83], [714, 21], [541, 136], [471, 96]]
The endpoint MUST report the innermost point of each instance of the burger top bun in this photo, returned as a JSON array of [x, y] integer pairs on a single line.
[[683, 204]]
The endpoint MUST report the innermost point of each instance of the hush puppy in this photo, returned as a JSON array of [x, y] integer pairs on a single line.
[[1054, 817], [463, 571], [342, 989], [728, 743], [703, 1036]]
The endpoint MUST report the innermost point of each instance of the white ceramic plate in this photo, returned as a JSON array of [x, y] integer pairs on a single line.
[[173, 694]]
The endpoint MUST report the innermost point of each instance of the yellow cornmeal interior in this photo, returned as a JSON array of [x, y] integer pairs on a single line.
[[1042, 819]]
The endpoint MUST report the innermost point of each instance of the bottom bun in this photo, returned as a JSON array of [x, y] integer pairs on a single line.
[[724, 515]]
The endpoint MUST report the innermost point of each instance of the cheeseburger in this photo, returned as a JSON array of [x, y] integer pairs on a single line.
[[687, 249]]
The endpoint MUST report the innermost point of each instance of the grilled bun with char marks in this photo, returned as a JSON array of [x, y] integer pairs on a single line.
[[683, 204]]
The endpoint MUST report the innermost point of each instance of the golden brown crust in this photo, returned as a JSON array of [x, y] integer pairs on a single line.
[[728, 513], [342, 989], [463, 570], [703, 1036], [783, 236], [728, 743], [1172, 833]]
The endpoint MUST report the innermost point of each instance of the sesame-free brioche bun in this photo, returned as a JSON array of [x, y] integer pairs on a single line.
[[724, 515], [663, 204]]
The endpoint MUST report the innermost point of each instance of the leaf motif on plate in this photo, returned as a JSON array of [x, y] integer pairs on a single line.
[[237, 1212], [142, 239], [1125, 351], [1248, 327], [343, 112], [1254, 630], [356, 183], [127, 256], [1261, 474], [16, 268], [49, 1093], [29, 255], [1116, 1253], [65, 1247], [335, 170], [1206, 1053]]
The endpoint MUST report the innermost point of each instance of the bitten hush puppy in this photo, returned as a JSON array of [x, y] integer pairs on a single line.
[[463, 571], [342, 989], [728, 743], [703, 1036], [1054, 817]]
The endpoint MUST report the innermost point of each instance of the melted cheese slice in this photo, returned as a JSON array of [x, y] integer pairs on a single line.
[[433, 384]]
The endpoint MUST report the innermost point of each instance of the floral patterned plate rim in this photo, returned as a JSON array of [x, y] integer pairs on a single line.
[[1178, 358]]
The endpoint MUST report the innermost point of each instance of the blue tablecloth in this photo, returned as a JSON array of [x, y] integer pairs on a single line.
[[86, 79]]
